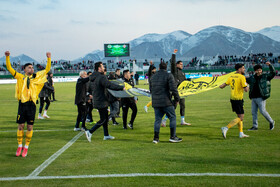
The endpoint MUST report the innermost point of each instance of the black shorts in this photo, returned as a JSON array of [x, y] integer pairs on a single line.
[[237, 106], [26, 112]]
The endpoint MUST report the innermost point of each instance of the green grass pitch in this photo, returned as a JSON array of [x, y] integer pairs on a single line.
[[203, 150]]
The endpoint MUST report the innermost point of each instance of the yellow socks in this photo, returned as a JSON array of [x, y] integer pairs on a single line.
[[240, 126], [28, 137], [233, 122], [149, 104], [20, 134]]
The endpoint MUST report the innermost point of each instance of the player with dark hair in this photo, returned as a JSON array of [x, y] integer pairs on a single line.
[[179, 76], [99, 83], [162, 85], [152, 70], [238, 85], [259, 91], [28, 88], [45, 98], [129, 102]]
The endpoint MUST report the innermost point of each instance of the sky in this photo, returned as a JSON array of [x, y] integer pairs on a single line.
[[70, 29]]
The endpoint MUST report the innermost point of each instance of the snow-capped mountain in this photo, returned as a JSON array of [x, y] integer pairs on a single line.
[[271, 32], [226, 41], [23, 59], [93, 56], [157, 45], [222, 40], [147, 38]]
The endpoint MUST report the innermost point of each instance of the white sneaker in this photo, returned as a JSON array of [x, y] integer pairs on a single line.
[[88, 135], [77, 129], [40, 116], [224, 131], [185, 123], [242, 135], [46, 116], [108, 137], [146, 109]]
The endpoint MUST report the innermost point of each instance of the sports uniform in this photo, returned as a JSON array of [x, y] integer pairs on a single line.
[[237, 83], [27, 91]]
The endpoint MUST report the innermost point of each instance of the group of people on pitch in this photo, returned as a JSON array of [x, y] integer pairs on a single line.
[[163, 87], [259, 87]]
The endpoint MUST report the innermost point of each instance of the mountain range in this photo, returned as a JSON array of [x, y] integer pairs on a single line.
[[20, 58], [222, 40]]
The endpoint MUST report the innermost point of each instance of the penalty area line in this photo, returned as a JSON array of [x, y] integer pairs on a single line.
[[34, 177], [45, 164]]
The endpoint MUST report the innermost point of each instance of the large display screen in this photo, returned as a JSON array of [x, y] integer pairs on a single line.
[[116, 50]]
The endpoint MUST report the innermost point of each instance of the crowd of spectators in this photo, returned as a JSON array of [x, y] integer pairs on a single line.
[[260, 58], [227, 61]]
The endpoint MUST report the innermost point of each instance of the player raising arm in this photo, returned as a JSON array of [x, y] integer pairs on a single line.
[[28, 88]]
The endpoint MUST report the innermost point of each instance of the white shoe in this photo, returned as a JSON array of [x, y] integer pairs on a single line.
[[40, 116], [88, 135], [224, 132], [185, 123], [108, 137], [242, 135], [77, 129], [146, 109], [46, 116]]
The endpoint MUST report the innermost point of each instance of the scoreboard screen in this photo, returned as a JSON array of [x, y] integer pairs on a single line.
[[116, 50]]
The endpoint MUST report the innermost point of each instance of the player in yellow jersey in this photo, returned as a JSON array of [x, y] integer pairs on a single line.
[[28, 88], [238, 85]]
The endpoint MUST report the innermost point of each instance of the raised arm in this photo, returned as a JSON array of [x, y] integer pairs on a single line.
[[48, 66], [173, 63], [272, 72], [8, 64]]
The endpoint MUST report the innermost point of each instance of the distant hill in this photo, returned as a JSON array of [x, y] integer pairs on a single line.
[[23, 59]]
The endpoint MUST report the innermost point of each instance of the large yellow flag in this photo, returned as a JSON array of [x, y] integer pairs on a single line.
[[201, 84]]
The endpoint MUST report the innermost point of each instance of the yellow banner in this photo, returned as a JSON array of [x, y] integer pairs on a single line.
[[202, 84]]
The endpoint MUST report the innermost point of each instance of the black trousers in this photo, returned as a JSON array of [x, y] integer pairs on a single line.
[[125, 107], [89, 111], [103, 113], [182, 106], [42, 102], [82, 112]]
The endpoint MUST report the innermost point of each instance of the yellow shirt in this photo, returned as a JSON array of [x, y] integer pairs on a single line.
[[237, 84], [36, 84]]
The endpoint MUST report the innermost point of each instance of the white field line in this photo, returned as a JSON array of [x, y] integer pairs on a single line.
[[143, 175], [55, 130], [45, 164]]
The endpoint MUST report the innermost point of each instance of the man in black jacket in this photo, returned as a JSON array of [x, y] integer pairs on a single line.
[[161, 84], [80, 100], [99, 84], [44, 98], [179, 76], [129, 102], [259, 91]]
